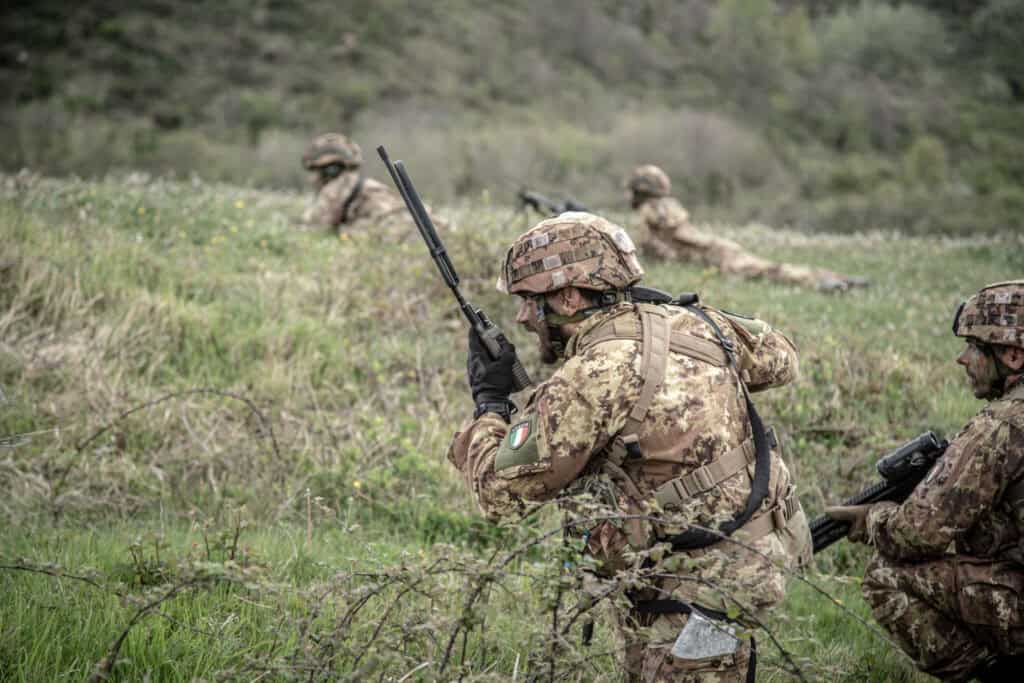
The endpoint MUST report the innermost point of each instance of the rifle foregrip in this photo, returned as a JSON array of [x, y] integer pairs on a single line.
[[520, 376]]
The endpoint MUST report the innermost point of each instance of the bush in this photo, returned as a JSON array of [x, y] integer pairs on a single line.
[[925, 162], [883, 40]]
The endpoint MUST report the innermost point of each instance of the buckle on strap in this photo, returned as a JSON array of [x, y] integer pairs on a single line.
[[624, 448], [698, 481], [670, 494], [780, 515]]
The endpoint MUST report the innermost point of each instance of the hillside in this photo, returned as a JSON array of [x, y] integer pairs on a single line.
[[825, 116], [234, 435]]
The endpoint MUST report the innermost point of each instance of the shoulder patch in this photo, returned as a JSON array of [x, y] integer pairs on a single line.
[[519, 447]]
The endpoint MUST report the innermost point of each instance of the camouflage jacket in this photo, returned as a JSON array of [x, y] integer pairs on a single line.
[[962, 501], [696, 415], [372, 201], [672, 235]]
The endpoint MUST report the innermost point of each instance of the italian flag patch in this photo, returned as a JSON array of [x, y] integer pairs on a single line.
[[518, 435]]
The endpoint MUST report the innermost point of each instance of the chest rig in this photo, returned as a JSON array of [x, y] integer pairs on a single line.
[[658, 339]]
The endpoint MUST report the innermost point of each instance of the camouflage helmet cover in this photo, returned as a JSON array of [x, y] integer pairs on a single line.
[[332, 148], [649, 180], [995, 315], [576, 249]]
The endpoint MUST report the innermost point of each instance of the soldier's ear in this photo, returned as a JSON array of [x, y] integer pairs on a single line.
[[1012, 357]]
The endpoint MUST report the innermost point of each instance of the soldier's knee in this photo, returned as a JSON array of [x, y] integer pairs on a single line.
[[881, 590]]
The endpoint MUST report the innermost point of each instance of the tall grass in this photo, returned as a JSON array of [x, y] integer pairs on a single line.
[[235, 434]]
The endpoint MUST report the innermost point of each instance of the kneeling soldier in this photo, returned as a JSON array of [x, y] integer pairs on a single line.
[[947, 579], [647, 423]]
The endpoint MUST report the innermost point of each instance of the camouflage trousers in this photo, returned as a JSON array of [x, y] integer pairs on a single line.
[[648, 643], [949, 615], [735, 261], [730, 258]]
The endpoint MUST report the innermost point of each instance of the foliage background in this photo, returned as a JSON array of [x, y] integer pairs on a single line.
[[837, 116]]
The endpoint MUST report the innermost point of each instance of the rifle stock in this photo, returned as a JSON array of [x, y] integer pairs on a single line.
[[901, 470]]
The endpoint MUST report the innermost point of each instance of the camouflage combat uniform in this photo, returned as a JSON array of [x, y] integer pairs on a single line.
[[948, 577], [560, 444], [345, 197], [671, 236], [355, 202]]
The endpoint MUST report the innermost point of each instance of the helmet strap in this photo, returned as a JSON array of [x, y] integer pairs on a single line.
[[605, 300]]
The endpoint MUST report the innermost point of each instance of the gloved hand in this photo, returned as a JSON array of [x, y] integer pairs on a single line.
[[856, 515], [490, 380]]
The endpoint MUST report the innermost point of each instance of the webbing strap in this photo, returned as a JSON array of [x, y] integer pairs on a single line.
[[351, 199], [674, 491], [770, 520], [700, 538], [654, 360], [701, 349], [679, 341]]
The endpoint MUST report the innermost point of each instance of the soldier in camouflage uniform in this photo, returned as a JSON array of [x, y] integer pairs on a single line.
[[671, 236], [947, 579], [345, 197], [648, 415]]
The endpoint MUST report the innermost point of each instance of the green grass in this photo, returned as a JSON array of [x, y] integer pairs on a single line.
[[334, 377]]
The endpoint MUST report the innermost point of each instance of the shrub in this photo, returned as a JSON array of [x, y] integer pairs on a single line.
[[886, 41]]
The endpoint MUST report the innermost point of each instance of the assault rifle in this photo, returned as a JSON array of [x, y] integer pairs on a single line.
[[545, 206], [490, 334], [902, 470]]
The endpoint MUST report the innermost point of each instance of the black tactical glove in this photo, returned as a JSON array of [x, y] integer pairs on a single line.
[[490, 380]]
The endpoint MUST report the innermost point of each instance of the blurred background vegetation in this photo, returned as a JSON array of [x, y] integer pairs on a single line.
[[823, 115]]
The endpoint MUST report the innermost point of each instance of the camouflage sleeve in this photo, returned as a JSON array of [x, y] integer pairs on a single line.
[[767, 357], [570, 418], [653, 219], [330, 201], [965, 483]]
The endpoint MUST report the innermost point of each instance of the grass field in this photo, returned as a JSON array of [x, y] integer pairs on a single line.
[[234, 462]]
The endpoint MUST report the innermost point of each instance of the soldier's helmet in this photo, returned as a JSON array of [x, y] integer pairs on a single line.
[[995, 315], [576, 249], [649, 180], [332, 148]]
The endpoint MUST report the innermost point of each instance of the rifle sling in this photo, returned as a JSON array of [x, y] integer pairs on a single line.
[[351, 199], [693, 538], [657, 342]]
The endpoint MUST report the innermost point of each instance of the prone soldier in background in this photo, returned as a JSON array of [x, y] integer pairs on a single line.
[[671, 236], [344, 196], [647, 425], [947, 578]]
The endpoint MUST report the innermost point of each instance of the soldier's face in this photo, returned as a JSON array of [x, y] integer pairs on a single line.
[[981, 371], [530, 316]]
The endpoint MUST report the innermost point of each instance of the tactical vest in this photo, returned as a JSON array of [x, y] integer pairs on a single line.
[[658, 339]]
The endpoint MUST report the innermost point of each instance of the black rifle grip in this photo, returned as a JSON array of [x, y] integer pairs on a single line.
[[519, 375]]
